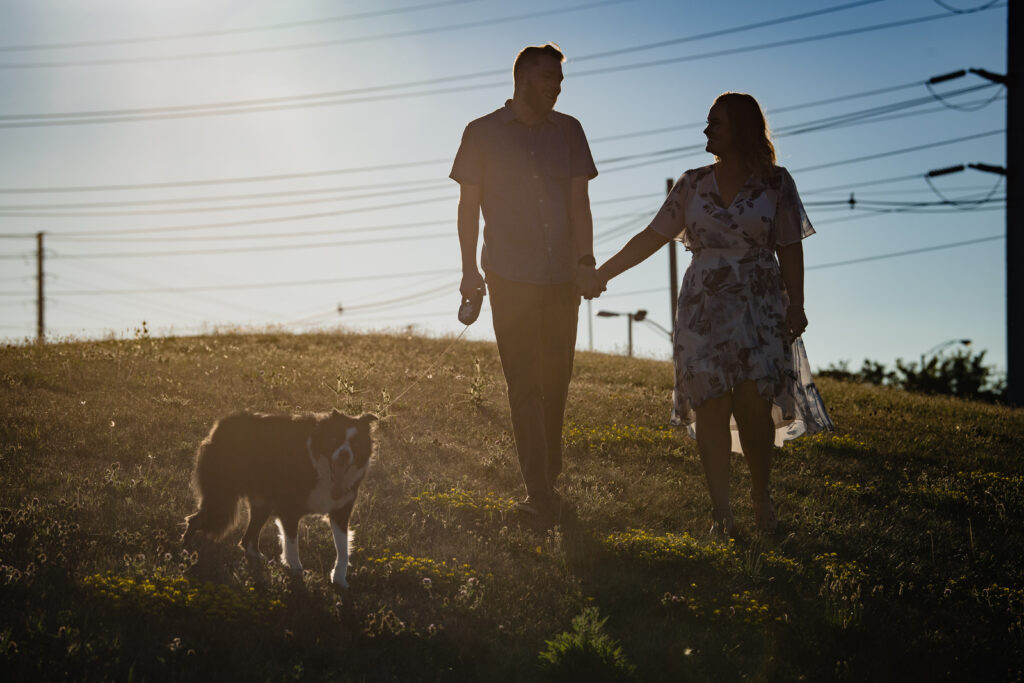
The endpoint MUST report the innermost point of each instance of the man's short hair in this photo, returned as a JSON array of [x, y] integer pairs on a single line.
[[529, 55]]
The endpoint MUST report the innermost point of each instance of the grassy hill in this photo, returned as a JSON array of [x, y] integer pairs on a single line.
[[900, 553]]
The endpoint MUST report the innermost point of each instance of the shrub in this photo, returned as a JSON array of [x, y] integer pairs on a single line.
[[587, 653]]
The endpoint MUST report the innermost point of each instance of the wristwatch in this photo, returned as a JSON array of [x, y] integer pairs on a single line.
[[587, 260]]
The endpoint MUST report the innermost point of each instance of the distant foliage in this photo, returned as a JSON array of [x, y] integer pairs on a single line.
[[962, 374]]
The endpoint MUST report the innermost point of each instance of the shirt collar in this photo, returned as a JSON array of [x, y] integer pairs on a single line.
[[508, 114]]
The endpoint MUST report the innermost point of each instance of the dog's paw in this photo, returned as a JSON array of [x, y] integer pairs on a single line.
[[254, 555], [338, 579]]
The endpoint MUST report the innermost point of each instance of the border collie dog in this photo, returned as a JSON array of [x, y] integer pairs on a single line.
[[286, 467]]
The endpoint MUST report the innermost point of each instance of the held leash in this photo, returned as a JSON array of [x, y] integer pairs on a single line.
[[437, 360], [468, 312]]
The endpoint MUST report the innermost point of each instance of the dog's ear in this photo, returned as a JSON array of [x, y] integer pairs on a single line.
[[368, 418], [335, 412]]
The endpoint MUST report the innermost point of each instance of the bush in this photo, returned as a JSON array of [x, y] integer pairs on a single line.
[[960, 374], [587, 653]]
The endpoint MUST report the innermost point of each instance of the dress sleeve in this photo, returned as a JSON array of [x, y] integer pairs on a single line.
[[791, 223], [670, 220]]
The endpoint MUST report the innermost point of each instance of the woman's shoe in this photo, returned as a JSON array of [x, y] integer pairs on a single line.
[[764, 512]]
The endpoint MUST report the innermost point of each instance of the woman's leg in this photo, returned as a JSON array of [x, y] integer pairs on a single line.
[[757, 436], [714, 443]]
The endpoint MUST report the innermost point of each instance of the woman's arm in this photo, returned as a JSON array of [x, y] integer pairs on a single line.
[[791, 263], [635, 251]]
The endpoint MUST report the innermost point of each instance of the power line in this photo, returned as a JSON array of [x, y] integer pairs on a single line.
[[6, 212], [907, 252], [235, 31], [264, 221], [970, 10], [690, 150], [776, 110], [904, 150], [829, 122], [236, 250], [226, 181], [275, 104], [391, 166], [307, 45], [841, 120], [245, 286]]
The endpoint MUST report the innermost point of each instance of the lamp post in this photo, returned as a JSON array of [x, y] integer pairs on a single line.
[[938, 348], [639, 316]]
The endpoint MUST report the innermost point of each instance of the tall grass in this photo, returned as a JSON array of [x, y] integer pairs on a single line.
[[899, 554]]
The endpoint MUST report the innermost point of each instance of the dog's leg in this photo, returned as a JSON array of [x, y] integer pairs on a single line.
[[258, 513], [289, 527], [339, 525]]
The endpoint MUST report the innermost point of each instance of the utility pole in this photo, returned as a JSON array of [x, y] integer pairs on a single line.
[[590, 325], [673, 279], [40, 326], [1014, 207]]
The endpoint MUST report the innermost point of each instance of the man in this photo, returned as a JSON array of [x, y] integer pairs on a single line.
[[526, 167]]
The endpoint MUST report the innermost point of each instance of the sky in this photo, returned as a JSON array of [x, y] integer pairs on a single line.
[[251, 164]]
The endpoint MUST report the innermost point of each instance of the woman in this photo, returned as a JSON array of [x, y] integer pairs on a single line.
[[736, 341]]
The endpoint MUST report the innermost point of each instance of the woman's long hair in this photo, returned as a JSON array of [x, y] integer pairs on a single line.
[[749, 131]]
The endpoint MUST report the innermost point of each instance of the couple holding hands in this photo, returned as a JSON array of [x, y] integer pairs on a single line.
[[742, 379]]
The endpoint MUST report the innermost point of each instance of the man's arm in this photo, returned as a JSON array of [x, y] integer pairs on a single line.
[[583, 232], [469, 234]]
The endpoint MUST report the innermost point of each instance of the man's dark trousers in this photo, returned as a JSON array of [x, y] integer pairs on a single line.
[[535, 327]]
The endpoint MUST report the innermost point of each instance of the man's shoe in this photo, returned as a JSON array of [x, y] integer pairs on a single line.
[[534, 506]]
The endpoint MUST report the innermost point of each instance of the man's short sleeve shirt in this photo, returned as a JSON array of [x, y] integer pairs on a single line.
[[523, 173]]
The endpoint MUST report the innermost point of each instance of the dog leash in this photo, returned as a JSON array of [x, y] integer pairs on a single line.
[[427, 372]]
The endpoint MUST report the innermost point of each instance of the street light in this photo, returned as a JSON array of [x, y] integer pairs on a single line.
[[935, 350], [639, 316]]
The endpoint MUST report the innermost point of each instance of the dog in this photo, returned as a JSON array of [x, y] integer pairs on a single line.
[[286, 467]]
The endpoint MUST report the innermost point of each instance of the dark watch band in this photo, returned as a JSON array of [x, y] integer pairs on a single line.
[[587, 260]]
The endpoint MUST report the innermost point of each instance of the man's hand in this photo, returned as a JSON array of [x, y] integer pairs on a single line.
[[472, 282], [588, 283]]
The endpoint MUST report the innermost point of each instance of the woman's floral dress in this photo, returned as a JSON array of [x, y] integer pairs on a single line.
[[732, 304]]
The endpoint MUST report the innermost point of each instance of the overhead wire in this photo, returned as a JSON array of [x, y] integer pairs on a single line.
[[832, 164], [970, 10], [659, 155], [245, 286], [330, 42], [397, 165], [235, 31], [113, 116]]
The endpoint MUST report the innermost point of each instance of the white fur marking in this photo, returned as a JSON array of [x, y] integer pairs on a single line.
[[321, 500], [346, 447], [290, 550], [342, 544]]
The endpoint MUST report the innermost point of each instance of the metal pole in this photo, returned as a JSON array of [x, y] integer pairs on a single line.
[[40, 327], [1014, 208], [673, 278], [590, 324], [630, 316]]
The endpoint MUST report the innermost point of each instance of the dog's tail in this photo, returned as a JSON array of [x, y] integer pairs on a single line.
[[215, 486]]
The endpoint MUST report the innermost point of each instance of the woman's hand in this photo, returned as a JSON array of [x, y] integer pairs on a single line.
[[596, 284], [795, 324]]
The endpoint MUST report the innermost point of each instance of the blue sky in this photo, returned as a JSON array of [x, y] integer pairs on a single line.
[[364, 216]]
